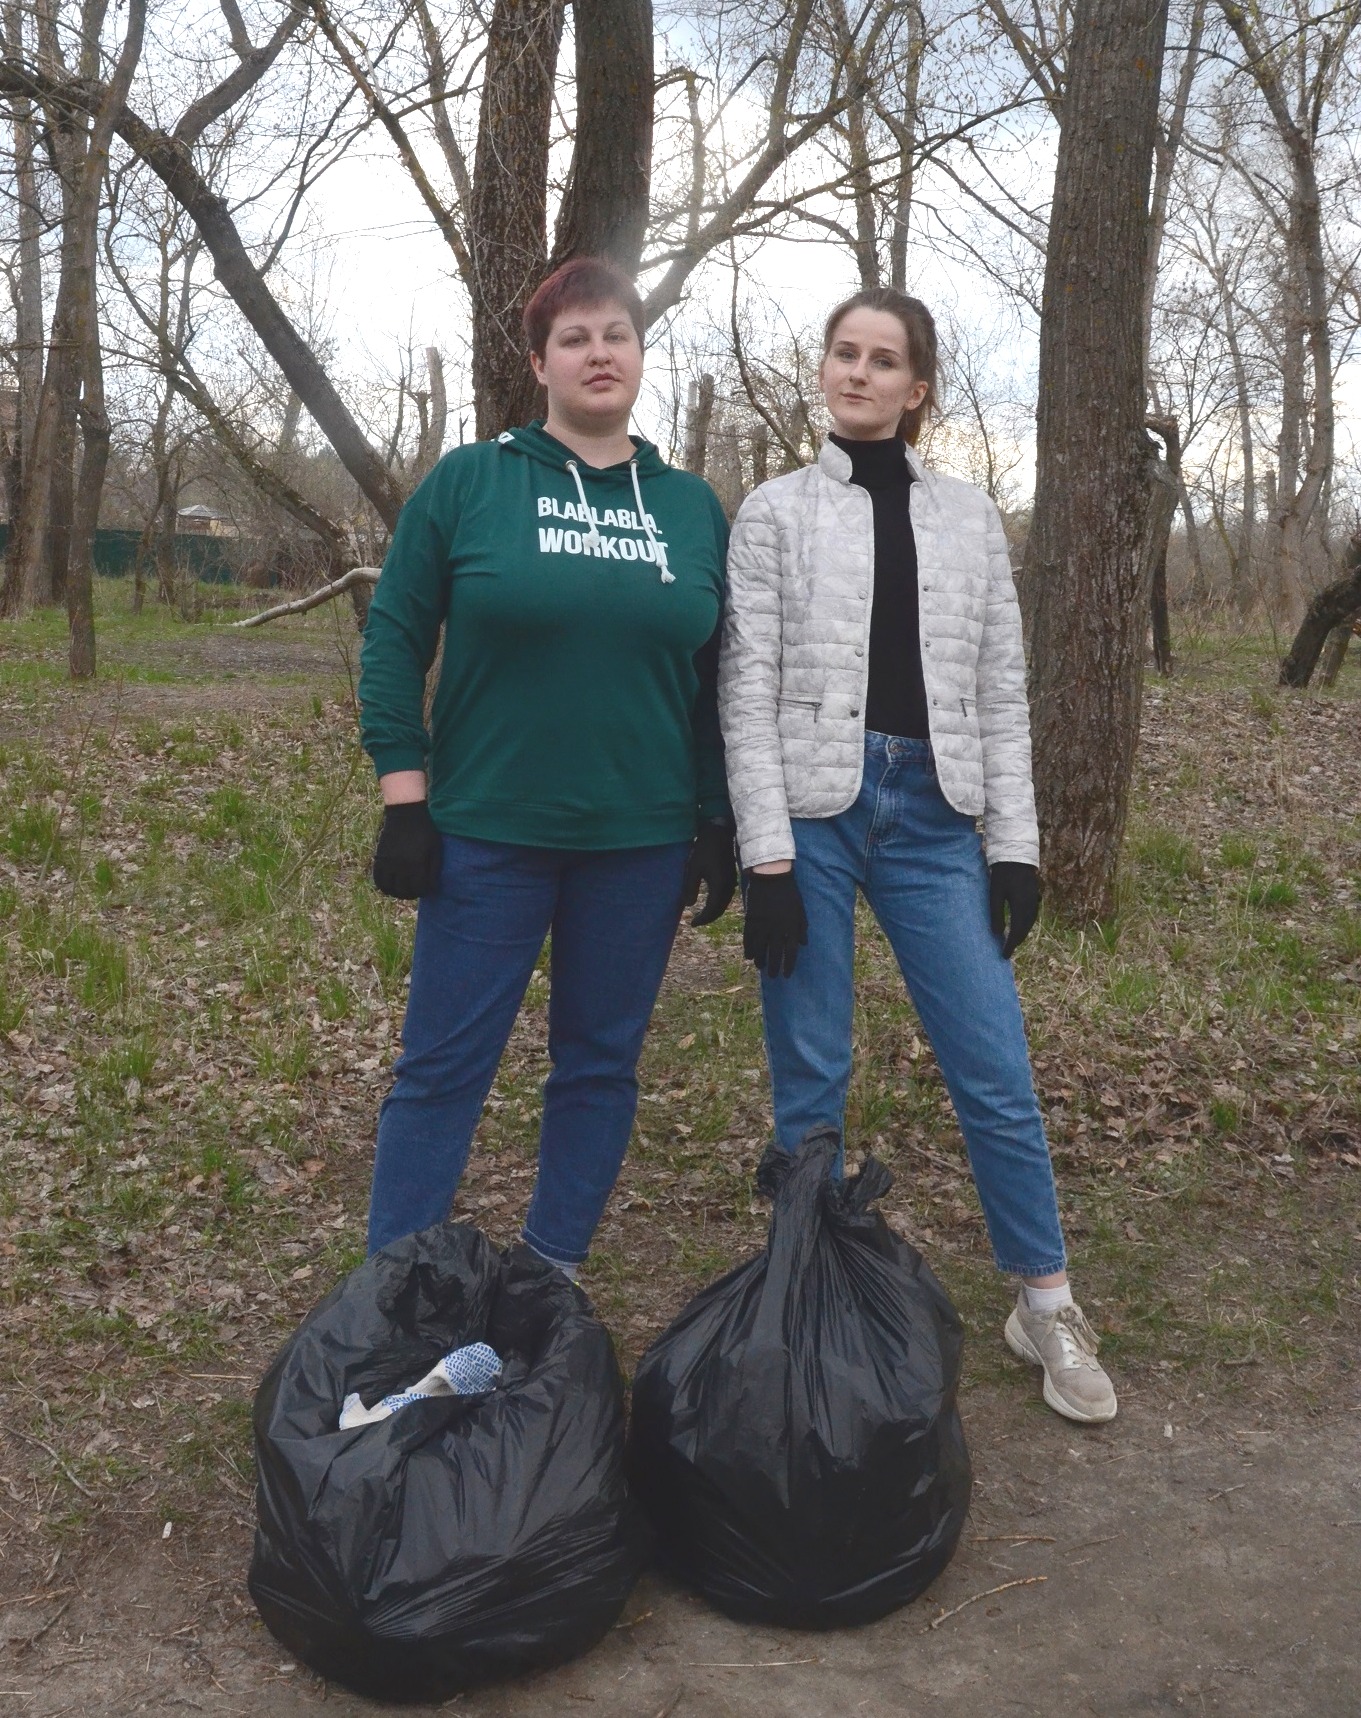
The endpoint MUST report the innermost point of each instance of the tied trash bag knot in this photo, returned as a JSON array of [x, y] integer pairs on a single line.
[[795, 1437]]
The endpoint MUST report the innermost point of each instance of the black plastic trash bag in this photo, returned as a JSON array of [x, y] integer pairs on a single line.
[[467, 1537], [795, 1437]]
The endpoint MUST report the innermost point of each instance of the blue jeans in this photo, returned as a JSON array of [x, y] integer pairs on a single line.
[[920, 866], [613, 916]]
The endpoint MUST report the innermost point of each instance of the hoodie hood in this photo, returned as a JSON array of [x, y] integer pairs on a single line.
[[534, 441]]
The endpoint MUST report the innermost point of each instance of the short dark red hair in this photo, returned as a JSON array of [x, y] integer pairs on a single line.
[[581, 284]]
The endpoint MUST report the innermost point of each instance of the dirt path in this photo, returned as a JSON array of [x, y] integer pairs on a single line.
[[1215, 1570]]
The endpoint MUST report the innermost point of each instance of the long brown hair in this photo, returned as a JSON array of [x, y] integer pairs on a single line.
[[920, 328]]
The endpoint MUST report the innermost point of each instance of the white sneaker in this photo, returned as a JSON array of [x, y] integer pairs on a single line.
[[1075, 1384]]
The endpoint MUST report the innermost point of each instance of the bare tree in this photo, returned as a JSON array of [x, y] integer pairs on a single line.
[[1295, 71]]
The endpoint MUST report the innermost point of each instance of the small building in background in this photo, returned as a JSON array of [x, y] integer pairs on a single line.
[[201, 521]]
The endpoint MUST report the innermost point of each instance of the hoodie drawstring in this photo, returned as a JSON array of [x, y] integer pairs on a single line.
[[590, 539], [668, 578]]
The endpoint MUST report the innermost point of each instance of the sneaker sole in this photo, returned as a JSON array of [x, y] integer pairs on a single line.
[[1021, 1345]]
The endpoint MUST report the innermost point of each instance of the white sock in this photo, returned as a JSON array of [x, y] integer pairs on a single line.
[[1047, 1300]]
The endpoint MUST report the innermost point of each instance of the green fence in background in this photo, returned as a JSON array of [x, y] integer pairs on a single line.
[[214, 560]]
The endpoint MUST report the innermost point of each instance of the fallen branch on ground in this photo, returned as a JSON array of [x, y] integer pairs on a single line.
[[314, 599], [1025, 1581]]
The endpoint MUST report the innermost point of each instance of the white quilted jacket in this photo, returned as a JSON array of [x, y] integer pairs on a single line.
[[795, 662]]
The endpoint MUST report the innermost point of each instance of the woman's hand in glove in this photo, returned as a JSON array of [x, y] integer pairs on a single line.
[[410, 852], [1014, 891], [776, 926], [712, 862]]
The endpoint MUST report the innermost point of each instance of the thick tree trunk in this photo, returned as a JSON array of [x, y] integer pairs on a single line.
[[507, 226], [1090, 554], [1329, 609], [44, 530], [605, 206]]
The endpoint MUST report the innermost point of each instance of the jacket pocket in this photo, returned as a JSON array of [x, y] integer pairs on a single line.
[[813, 704]]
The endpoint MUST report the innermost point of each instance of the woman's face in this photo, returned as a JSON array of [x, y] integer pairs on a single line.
[[866, 377], [592, 368]]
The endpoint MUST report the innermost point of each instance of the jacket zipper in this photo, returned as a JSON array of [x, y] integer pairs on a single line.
[[813, 704]]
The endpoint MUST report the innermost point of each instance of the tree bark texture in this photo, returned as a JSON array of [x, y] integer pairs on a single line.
[[1335, 651], [1089, 557], [508, 219], [605, 206], [1330, 608]]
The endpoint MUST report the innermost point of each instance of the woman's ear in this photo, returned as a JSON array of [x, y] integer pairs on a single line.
[[918, 394], [536, 365]]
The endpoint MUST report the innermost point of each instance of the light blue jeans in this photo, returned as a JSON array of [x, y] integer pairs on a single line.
[[920, 866]]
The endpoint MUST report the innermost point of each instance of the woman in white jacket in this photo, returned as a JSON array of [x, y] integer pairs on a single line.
[[872, 696]]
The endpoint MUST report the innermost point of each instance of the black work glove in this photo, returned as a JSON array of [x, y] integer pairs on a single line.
[[776, 926], [1013, 889], [410, 852], [712, 862]]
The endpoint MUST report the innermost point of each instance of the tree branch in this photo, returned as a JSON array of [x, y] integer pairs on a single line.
[[314, 599]]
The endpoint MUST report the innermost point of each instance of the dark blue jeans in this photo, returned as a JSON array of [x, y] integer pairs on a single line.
[[920, 865], [613, 918]]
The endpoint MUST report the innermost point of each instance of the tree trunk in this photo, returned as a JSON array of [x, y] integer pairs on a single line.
[[1089, 557], [1308, 284], [95, 435], [507, 226], [605, 205], [1199, 591], [905, 135], [1164, 160], [697, 420], [1168, 473], [1241, 573], [436, 422], [1335, 651], [28, 316], [44, 530], [760, 455], [1329, 609]]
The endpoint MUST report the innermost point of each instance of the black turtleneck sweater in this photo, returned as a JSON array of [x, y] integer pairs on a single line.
[[896, 699]]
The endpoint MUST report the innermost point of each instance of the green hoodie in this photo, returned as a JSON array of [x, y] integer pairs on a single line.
[[576, 703]]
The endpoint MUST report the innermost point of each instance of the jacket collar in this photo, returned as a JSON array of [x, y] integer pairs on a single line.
[[835, 462]]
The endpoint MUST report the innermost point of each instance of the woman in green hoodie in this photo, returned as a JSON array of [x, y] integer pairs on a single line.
[[571, 779]]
